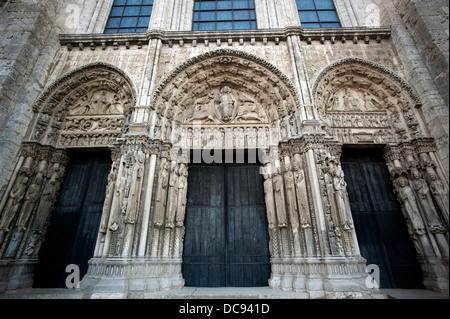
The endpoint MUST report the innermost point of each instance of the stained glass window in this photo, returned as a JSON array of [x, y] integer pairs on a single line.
[[224, 15], [129, 16], [318, 14]]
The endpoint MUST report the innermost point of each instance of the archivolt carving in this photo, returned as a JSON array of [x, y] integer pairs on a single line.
[[224, 87], [363, 102], [90, 106]]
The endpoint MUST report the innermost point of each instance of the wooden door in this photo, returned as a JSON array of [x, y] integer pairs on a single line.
[[74, 223], [380, 226], [226, 241]]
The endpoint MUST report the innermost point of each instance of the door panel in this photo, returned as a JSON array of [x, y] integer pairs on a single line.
[[380, 226], [75, 220], [247, 228], [226, 241], [203, 260]]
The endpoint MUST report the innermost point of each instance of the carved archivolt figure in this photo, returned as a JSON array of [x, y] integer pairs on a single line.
[[13, 204], [302, 196], [423, 191], [172, 197], [45, 206], [279, 199], [161, 196], [182, 192], [439, 191], [290, 196], [408, 200], [341, 197]]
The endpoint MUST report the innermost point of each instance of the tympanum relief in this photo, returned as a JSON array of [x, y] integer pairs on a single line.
[[87, 107], [361, 102], [236, 94]]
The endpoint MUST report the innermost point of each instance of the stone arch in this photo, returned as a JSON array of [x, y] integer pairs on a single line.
[[362, 101], [89, 106], [224, 87]]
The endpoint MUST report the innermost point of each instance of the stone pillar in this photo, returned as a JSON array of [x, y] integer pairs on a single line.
[[141, 250], [109, 197], [321, 256], [154, 151]]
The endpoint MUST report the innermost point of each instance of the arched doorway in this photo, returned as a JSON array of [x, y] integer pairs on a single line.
[[227, 240], [87, 108], [74, 223], [379, 223]]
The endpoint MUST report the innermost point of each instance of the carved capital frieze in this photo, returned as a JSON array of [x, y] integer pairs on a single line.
[[424, 145]]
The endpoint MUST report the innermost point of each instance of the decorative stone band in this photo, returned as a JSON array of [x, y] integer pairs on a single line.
[[120, 275], [225, 38], [319, 275]]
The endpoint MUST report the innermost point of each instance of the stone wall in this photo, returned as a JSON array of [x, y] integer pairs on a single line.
[[29, 42], [305, 80]]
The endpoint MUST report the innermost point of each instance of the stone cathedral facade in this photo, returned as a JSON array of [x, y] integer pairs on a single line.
[[160, 86]]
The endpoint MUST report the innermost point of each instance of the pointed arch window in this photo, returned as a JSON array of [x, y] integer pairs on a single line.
[[318, 14], [224, 15], [129, 16]]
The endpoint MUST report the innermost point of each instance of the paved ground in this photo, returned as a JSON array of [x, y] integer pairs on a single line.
[[219, 293]]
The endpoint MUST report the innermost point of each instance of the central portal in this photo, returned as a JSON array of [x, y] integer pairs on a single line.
[[226, 242]]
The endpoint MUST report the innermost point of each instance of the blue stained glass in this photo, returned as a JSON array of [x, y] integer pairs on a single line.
[[308, 16], [324, 4], [143, 22], [242, 25], [128, 16], [328, 16], [207, 16], [311, 25], [224, 15], [240, 4], [317, 14], [132, 11], [241, 15], [127, 30], [128, 22], [227, 15], [331, 25], [117, 11], [113, 23], [205, 26], [224, 25], [224, 5], [134, 2], [305, 5], [208, 5], [146, 11]]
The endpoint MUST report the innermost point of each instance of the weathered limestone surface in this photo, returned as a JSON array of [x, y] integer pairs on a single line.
[[298, 95]]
